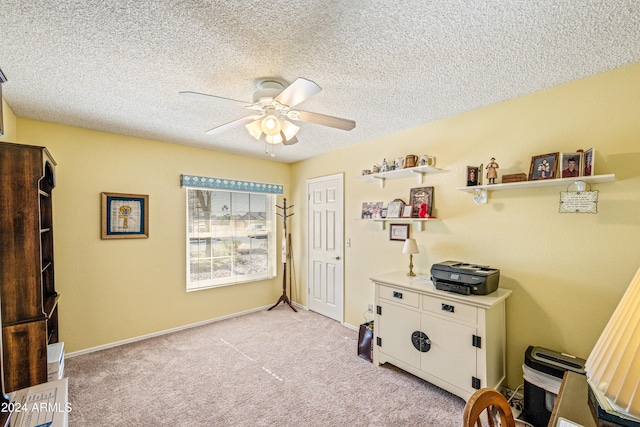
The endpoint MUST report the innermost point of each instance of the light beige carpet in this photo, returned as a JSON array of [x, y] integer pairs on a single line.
[[268, 368]]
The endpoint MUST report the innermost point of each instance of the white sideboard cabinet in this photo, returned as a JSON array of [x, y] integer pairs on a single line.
[[456, 342]]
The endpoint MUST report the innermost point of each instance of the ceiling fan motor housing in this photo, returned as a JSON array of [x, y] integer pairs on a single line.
[[268, 90]]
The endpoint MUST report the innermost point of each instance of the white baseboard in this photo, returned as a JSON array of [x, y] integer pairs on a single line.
[[156, 334]]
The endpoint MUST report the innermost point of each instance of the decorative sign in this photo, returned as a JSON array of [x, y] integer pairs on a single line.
[[579, 202]]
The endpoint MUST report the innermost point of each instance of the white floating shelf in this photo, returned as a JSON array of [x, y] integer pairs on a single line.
[[418, 221], [418, 171], [558, 182]]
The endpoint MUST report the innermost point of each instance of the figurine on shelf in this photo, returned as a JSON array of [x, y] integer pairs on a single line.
[[384, 167], [492, 171], [422, 213]]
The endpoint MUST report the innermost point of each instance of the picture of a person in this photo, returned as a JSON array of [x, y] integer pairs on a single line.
[[543, 167], [588, 163], [570, 171], [472, 178]]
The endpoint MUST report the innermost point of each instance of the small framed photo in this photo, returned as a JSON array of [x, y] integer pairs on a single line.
[[420, 195], [474, 175], [543, 166], [125, 216], [395, 209], [383, 212], [407, 211], [587, 164], [371, 210], [398, 231], [570, 164]]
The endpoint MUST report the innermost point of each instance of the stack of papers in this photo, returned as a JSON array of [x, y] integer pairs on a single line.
[[41, 405]]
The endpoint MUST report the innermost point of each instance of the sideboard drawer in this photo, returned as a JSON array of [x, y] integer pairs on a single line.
[[400, 296], [453, 309]]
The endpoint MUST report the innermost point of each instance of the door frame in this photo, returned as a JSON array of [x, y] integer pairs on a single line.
[[340, 177]]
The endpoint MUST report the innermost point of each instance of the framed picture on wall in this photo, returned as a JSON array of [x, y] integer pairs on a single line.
[[125, 216], [418, 196], [398, 231], [371, 210], [589, 158], [474, 175], [395, 209], [570, 164], [543, 166]]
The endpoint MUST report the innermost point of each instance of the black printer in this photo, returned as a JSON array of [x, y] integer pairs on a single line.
[[464, 278]]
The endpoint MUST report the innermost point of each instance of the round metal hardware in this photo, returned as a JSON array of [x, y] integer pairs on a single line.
[[421, 341]]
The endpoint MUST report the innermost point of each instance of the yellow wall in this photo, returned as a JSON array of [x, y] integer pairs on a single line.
[[113, 290], [9, 122], [567, 271]]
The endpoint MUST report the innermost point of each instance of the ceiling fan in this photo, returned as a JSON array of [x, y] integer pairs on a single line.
[[273, 108]]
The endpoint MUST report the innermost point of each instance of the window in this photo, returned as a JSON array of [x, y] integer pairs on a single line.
[[230, 237]]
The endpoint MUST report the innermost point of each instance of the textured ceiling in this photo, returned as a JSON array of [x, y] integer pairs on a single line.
[[118, 65]]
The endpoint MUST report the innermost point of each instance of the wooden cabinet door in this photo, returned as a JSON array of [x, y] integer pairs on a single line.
[[25, 355]]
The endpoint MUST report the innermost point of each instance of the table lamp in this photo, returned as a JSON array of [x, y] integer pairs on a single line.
[[410, 247], [613, 367]]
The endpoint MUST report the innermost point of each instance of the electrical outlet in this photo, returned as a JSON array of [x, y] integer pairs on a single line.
[[370, 309]]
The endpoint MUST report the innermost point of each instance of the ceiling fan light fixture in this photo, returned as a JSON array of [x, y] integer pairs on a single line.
[[274, 139], [255, 128], [289, 130], [271, 125]]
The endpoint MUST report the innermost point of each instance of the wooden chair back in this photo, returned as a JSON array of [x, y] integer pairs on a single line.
[[491, 401]]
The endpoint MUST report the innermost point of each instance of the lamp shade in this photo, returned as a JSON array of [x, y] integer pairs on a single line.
[[289, 130], [255, 128], [275, 139], [410, 247], [613, 367]]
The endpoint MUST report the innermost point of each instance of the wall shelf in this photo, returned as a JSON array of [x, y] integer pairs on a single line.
[[417, 221], [480, 191], [418, 171]]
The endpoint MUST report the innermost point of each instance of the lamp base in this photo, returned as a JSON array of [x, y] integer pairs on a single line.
[[411, 273], [604, 418]]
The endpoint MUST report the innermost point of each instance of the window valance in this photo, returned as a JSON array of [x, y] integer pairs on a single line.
[[229, 184]]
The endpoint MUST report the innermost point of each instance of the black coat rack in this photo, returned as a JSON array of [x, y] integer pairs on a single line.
[[285, 255]]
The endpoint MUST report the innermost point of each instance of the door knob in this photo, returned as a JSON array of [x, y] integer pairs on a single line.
[[336, 257]]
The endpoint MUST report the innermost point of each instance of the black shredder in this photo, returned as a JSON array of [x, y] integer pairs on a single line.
[[543, 371]]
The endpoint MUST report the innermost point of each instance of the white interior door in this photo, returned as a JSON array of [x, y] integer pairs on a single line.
[[325, 281]]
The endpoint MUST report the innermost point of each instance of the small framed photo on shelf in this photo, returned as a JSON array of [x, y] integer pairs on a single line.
[[570, 164], [125, 216], [395, 209], [543, 166], [398, 231], [587, 164], [383, 213], [474, 175], [420, 195], [371, 210], [407, 211]]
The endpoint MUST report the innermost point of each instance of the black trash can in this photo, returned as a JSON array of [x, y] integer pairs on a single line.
[[543, 371]]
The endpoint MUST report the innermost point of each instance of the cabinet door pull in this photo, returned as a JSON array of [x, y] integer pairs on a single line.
[[447, 307], [397, 295]]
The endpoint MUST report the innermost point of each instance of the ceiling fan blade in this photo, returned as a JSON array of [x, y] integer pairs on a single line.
[[225, 127], [297, 92], [323, 119], [209, 97]]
